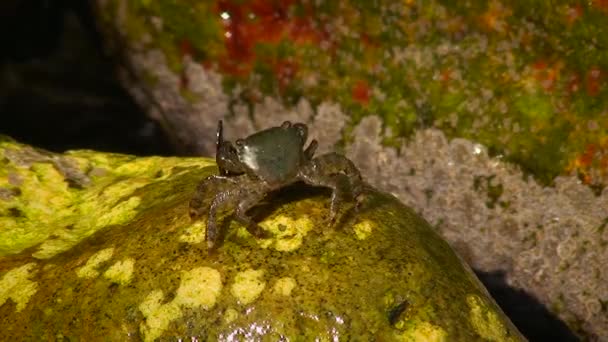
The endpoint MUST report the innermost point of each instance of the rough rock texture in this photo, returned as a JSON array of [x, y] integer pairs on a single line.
[[552, 241], [528, 80], [479, 72], [100, 246]]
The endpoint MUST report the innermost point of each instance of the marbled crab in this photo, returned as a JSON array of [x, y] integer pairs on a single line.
[[264, 162]]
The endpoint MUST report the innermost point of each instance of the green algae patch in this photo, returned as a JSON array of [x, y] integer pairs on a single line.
[[132, 265], [248, 285], [486, 322], [121, 272], [423, 332], [89, 270], [199, 287], [17, 286], [363, 229], [284, 286], [55, 201], [288, 233]]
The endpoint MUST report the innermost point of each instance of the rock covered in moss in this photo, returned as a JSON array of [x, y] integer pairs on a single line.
[[100, 246]]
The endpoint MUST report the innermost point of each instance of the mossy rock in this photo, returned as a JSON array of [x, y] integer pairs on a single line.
[[98, 246]]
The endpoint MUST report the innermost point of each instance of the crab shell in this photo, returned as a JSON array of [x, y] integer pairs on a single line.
[[274, 155]]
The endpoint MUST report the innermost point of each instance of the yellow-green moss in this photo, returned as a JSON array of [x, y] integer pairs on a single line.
[[422, 332], [158, 316], [248, 285], [67, 237], [44, 196], [230, 315], [284, 286], [194, 232], [287, 232], [121, 272], [52, 213], [89, 270], [485, 321], [363, 229], [199, 287], [17, 286]]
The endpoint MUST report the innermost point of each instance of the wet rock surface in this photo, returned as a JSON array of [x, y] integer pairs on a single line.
[[119, 258]]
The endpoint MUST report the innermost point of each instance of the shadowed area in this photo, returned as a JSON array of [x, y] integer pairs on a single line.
[[532, 318]]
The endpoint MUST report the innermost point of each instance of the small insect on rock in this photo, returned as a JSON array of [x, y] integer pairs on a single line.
[[264, 162]]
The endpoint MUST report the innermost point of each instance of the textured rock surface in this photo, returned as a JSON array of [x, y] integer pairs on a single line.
[[100, 246], [528, 80]]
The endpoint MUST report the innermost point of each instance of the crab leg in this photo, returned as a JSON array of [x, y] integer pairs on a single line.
[[248, 201], [336, 172], [211, 184], [198, 205], [225, 198], [231, 193]]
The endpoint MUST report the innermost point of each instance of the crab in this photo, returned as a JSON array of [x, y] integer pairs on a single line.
[[266, 161]]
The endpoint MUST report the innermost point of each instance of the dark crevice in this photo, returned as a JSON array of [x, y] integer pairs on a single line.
[[58, 89], [529, 315]]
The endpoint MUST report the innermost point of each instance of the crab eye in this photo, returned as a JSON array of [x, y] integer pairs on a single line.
[[302, 130], [286, 124], [239, 142]]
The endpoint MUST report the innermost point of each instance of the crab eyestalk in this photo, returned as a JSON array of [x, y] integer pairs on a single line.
[[218, 147], [225, 154]]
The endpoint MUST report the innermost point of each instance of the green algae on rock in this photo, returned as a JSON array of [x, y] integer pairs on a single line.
[[54, 201], [383, 272]]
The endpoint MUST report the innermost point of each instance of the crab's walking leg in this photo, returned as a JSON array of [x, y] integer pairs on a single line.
[[231, 193], [207, 186], [336, 172], [226, 198], [248, 201], [242, 198], [227, 194], [336, 183]]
